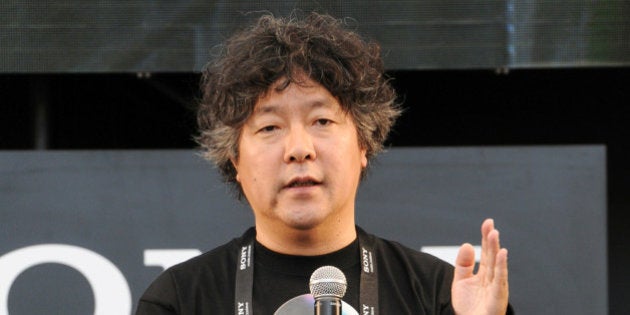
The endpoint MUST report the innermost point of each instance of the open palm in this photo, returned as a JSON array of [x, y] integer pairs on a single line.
[[485, 292]]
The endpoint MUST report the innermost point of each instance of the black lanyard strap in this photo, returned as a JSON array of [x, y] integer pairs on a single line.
[[368, 287], [245, 275]]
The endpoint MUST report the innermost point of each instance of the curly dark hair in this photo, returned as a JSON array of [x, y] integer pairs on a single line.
[[317, 46]]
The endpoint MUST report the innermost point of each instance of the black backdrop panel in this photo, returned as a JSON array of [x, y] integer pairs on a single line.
[[45, 36], [86, 228]]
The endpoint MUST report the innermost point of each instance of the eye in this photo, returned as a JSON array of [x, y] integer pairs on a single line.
[[323, 122], [269, 128]]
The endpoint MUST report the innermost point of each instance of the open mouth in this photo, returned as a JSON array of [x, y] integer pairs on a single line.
[[302, 182]]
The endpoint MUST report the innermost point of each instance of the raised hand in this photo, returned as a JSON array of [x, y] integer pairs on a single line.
[[485, 292]]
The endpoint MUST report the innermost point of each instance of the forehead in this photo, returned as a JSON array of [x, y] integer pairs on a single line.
[[304, 93]]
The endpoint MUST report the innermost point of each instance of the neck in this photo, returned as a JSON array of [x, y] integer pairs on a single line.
[[306, 242]]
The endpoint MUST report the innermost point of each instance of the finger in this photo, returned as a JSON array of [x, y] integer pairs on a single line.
[[501, 276], [492, 249], [486, 227], [464, 263]]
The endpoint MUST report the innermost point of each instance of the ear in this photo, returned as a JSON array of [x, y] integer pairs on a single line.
[[364, 160], [235, 165]]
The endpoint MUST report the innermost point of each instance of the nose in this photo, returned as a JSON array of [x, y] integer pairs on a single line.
[[299, 146]]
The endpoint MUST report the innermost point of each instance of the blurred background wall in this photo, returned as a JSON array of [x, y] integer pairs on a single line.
[[112, 75]]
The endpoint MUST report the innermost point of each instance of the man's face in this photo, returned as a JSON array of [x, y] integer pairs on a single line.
[[299, 159]]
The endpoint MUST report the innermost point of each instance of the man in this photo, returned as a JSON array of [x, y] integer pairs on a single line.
[[292, 112]]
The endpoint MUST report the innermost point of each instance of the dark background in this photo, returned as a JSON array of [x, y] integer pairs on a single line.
[[123, 75], [442, 108]]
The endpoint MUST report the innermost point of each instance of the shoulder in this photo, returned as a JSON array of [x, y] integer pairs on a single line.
[[396, 258], [211, 272], [215, 267], [217, 258], [393, 250], [416, 282]]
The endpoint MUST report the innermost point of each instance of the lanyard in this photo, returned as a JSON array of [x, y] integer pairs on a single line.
[[368, 286]]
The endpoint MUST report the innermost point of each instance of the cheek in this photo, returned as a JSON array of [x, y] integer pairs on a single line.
[[249, 185], [353, 152], [257, 172], [346, 161]]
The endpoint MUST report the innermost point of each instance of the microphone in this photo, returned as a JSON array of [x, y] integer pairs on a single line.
[[328, 285]]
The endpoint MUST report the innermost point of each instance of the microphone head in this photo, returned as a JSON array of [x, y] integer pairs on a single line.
[[328, 281]]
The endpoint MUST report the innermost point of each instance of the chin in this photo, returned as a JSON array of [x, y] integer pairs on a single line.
[[302, 216], [303, 225], [304, 222]]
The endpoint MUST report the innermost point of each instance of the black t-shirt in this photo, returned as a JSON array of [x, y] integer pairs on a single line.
[[409, 282], [279, 278]]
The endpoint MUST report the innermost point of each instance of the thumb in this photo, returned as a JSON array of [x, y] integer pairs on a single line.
[[465, 262]]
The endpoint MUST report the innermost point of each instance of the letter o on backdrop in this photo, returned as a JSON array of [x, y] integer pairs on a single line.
[[109, 286]]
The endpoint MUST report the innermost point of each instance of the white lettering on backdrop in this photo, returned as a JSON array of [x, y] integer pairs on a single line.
[[109, 286]]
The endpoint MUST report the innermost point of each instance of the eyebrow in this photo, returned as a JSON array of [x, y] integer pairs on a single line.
[[273, 108]]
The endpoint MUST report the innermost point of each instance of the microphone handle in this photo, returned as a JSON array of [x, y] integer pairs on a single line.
[[328, 306]]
